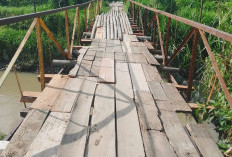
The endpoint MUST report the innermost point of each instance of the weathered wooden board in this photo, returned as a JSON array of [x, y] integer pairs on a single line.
[[149, 110], [139, 58], [175, 98], [85, 68], [106, 73], [68, 95], [204, 142], [154, 141], [29, 96], [135, 50], [157, 91], [164, 105], [50, 93], [151, 73], [120, 57], [24, 136], [128, 130], [109, 55], [73, 72], [89, 57], [150, 58], [74, 139], [48, 139], [138, 78], [99, 32], [102, 135], [91, 52], [95, 69], [177, 135]]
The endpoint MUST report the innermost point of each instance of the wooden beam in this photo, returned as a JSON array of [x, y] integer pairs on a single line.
[[196, 106], [40, 54], [17, 53], [160, 37], [182, 87], [50, 35], [74, 30], [86, 41], [29, 96], [47, 77], [67, 34]]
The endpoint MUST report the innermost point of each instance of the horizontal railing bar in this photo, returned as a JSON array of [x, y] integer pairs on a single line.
[[211, 30], [14, 19]]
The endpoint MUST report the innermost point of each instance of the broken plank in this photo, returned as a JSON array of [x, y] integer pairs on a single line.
[[175, 98], [204, 142], [74, 139], [48, 139], [177, 136], [50, 93], [29, 96], [128, 131], [149, 110], [106, 73], [67, 97], [138, 78], [151, 73], [85, 68], [102, 135], [96, 67]]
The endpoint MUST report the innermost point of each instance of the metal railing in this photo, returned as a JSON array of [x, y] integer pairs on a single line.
[[198, 30]]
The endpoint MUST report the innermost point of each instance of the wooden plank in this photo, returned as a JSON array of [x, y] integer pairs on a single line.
[[204, 142], [67, 97], [102, 135], [196, 106], [95, 69], [47, 77], [74, 71], [26, 133], [150, 58], [89, 57], [149, 110], [176, 134], [138, 78], [157, 91], [106, 73], [120, 57], [151, 73], [139, 58], [50, 93], [29, 96], [74, 139], [99, 32], [164, 105], [85, 68], [182, 87], [154, 141], [49, 138], [175, 98], [128, 130]]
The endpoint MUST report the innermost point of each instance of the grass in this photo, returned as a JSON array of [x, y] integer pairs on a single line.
[[2, 136]]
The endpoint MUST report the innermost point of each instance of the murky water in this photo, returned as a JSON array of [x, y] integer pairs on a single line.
[[10, 105]]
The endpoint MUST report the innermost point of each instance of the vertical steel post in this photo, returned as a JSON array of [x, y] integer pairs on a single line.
[[40, 55], [67, 34], [167, 40], [86, 23], [79, 26], [193, 58]]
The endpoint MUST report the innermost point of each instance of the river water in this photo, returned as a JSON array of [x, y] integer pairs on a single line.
[[10, 105]]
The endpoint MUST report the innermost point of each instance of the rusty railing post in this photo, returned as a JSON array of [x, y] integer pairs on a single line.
[[67, 34], [167, 40], [86, 23], [193, 58], [133, 13], [154, 30], [144, 20], [91, 14], [40, 55], [138, 12], [79, 27]]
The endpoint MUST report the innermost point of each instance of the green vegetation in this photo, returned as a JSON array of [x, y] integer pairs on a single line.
[[2, 136], [12, 35], [216, 14]]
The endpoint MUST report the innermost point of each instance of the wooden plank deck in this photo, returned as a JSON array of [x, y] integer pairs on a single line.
[[114, 102]]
